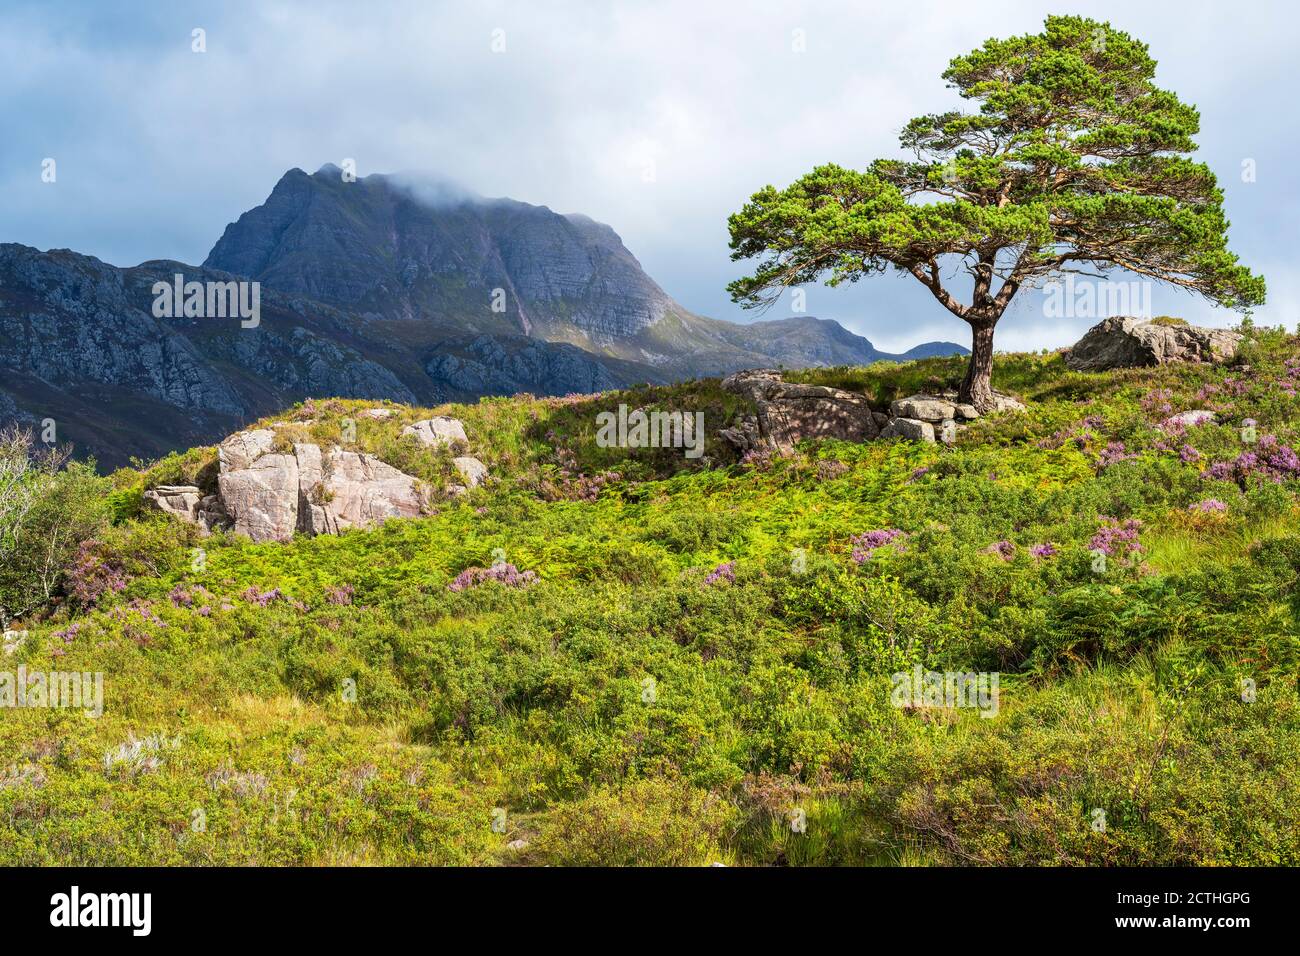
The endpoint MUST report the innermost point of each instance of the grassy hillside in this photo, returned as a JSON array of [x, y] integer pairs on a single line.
[[706, 651]]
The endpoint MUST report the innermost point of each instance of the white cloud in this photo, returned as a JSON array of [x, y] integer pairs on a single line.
[[160, 147]]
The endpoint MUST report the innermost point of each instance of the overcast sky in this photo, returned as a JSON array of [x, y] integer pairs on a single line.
[[659, 118]]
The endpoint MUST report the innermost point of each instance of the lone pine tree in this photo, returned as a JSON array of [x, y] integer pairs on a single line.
[[1075, 162]]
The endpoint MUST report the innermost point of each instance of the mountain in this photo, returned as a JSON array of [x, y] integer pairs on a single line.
[[381, 288], [809, 342], [390, 249], [418, 254]]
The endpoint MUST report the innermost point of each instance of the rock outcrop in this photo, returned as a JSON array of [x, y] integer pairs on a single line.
[[787, 413], [267, 494], [268, 489], [1129, 342], [188, 503]]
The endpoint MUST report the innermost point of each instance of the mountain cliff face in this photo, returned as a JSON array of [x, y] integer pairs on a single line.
[[397, 250], [377, 288], [79, 344]]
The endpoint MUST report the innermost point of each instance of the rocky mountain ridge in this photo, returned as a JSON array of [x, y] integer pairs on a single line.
[[367, 290]]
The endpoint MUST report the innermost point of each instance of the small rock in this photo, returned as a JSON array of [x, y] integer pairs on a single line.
[[178, 501], [471, 469], [1197, 416], [517, 845], [967, 412], [379, 414], [13, 640], [1005, 403]]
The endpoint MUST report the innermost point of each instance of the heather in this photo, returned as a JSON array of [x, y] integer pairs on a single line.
[[645, 659]]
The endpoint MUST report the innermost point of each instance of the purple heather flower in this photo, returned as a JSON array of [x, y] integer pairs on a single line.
[[723, 572], [865, 545], [1115, 538], [1003, 549], [1157, 402], [505, 574], [1208, 505], [263, 598], [1044, 550], [341, 595], [1114, 453]]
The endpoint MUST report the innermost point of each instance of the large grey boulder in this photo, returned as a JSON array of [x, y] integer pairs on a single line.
[[1130, 342], [787, 413], [360, 491], [926, 408], [437, 431], [912, 429]]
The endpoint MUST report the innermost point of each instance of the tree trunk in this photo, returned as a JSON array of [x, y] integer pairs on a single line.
[[977, 386]]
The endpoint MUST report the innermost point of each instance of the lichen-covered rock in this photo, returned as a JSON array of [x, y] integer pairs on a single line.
[[360, 491], [179, 501], [787, 413], [267, 494], [912, 429], [1005, 403], [926, 408], [262, 498], [1128, 342], [1197, 416], [471, 469], [437, 431], [241, 449]]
